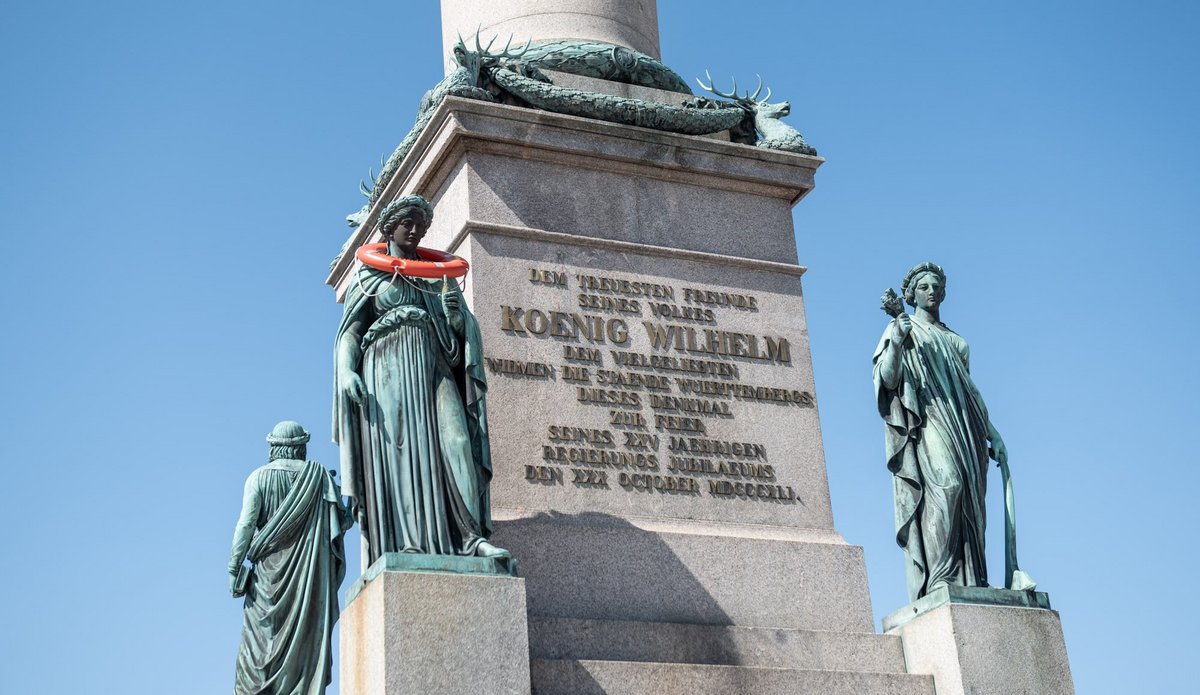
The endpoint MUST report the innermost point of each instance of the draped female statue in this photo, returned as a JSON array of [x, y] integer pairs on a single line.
[[291, 530], [938, 434], [409, 410]]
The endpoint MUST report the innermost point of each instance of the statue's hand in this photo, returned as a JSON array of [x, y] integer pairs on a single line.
[[232, 581], [450, 302], [352, 386], [903, 324], [452, 306], [998, 451], [891, 304]]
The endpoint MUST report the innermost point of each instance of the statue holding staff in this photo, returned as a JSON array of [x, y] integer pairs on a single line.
[[939, 439]]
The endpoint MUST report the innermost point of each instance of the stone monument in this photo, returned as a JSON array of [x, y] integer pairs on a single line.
[[657, 466]]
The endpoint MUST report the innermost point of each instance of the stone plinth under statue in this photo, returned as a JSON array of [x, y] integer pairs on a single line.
[[984, 640], [436, 625]]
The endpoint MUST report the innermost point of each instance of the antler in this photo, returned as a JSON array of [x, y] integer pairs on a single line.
[[757, 91], [709, 87], [485, 50], [506, 54], [745, 99]]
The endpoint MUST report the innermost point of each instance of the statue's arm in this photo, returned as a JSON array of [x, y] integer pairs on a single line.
[[349, 356], [244, 531], [889, 361], [452, 307], [998, 451]]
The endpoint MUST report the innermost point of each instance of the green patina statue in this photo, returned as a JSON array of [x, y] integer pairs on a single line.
[[409, 410], [515, 77], [290, 529], [763, 119], [938, 435]]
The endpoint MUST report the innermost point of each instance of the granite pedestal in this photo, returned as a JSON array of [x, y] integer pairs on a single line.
[[435, 625], [984, 641]]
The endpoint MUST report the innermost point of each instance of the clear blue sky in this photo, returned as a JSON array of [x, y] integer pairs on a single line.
[[173, 185]]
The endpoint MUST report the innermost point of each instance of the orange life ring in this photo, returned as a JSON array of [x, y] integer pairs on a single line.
[[433, 263]]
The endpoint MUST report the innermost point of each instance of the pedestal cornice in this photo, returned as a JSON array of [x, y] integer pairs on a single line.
[[461, 126]]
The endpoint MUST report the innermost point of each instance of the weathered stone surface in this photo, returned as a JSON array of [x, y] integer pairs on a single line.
[[617, 571], [631, 23], [429, 632], [578, 677], [519, 167], [525, 409], [624, 640], [973, 649]]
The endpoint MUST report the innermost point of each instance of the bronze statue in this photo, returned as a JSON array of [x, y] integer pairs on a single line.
[[290, 529], [409, 407], [938, 435]]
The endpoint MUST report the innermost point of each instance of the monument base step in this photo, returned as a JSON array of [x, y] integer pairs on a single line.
[[679, 643], [591, 677], [611, 569]]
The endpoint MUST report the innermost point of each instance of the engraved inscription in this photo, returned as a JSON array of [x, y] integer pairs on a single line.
[[666, 392]]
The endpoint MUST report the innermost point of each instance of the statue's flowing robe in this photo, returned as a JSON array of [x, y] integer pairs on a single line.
[[291, 601], [415, 456], [936, 430]]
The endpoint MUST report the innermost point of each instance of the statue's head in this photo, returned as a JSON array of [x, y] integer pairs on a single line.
[[924, 286], [288, 441], [405, 220], [779, 110]]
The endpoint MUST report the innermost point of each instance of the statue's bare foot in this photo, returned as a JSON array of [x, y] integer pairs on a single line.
[[485, 549]]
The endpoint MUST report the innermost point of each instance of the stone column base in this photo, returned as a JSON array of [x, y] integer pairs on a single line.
[[454, 630], [984, 640]]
